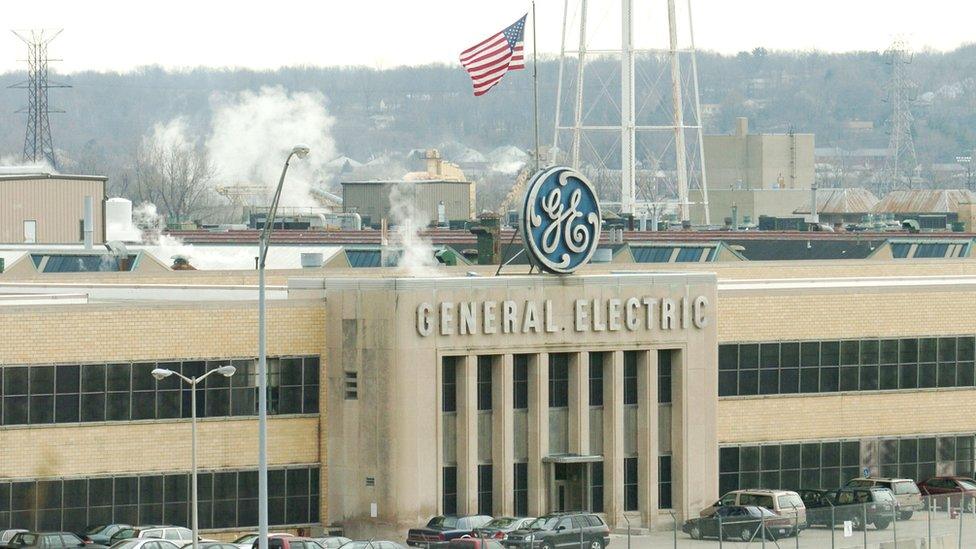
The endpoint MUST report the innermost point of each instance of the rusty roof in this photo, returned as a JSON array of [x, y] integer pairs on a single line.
[[842, 201], [924, 201]]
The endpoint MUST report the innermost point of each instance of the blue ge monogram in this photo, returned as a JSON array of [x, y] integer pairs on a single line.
[[560, 220]]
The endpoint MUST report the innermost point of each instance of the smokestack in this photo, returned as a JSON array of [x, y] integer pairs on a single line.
[[814, 216], [89, 222], [741, 126], [441, 214], [735, 217]]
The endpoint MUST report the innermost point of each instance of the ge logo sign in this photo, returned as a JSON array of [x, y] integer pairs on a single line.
[[560, 220]]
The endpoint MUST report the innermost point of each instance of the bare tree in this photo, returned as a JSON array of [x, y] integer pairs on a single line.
[[175, 176]]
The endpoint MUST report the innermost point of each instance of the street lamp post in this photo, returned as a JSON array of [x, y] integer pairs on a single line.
[[301, 151], [161, 374]]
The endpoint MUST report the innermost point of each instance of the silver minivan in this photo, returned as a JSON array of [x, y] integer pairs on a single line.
[[785, 503], [907, 496]]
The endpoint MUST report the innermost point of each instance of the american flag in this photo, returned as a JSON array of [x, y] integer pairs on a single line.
[[489, 60]]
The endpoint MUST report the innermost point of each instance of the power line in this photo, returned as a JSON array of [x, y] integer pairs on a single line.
[[38, 144]]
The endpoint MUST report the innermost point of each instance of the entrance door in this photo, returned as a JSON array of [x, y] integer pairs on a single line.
[[569, 482]]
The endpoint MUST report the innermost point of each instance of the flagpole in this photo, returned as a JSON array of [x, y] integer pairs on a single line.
[[535, 87]]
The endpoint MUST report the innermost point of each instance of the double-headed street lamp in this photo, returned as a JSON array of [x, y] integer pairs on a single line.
[[161, 374], [301, 151]]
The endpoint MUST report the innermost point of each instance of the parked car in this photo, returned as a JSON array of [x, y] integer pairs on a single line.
[[247, 540], [937, 489], [48, 540], [500, 527], [872, 505], [559, 529], [146, 543], [908, 498], [6, 535], [742, 522], [102, 533], [382, 544], [177, 534], [442, 529], [332, 542], [782, 502], [475, 543], [209, 545], [289, 542]]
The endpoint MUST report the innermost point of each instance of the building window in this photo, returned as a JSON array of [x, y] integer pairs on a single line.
[[630, 377], [664, 482], [484, 489], [449, 384], [228, 500], [484, 382], [630, 484], [73, 393], [449, 499], [521, 489], [520, 381], [558, 380], [664, 376], [596, 379], [596, 487], [846, 365]]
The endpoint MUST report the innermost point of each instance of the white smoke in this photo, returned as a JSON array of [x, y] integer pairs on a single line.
[[253, 132], [418, 252]]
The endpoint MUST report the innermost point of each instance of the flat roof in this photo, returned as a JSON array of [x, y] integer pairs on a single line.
[[44, 175]]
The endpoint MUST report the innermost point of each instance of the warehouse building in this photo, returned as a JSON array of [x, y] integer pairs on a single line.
[[633, 391], [49, 208]]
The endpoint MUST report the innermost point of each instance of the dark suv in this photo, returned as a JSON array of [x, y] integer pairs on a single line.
[[561, 529], [861, 506]]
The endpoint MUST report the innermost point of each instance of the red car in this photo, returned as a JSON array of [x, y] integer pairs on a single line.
[[936, 490]]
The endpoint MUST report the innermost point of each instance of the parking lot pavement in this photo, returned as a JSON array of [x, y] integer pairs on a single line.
[[911, 534]]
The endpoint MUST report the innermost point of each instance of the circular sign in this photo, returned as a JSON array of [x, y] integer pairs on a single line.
[[560, 220]]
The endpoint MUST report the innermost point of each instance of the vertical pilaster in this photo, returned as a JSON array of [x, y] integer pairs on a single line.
[[579, 403], [647, 437], [502, 436], [467, 434], [613, 437], [538, 432]]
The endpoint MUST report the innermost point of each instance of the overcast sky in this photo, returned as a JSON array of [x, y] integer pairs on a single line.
[[123, 34]]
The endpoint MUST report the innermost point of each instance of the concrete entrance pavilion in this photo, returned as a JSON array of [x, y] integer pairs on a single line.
[[519, 395]]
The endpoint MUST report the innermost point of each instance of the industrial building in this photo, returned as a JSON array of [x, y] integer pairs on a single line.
[[439, 194], [620, 389], [49, 208]]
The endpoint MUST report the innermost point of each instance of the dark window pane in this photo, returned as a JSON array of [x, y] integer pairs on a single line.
[[142, 379], [869, 351], [484, 382], [144, 405], [728, 357], [126, 490], [810, 354], [297, 482], [889, 351], [928, 349], [14, 380], [93, 378], [947, 349], [449, 384], [926, 449], [829, 379], [908, 376], [889, 377], [75, 493], [117, 407], [964, 348], [769, 355], [66, 408], [850, 352], [310, 399], [927, 375], [290, 401], [789, 354], [520, 375], [68, 379], [244, 401], [41, 409], [177, 488], [907, 450], [908, 351], [291, 371], [100, 492], [93, 407], [791, 456], [809, 380], [810, 455], [789, 380], [168, 404], [749, 458], [728, 383], [41, 380], [869, 378], [770, 457], [768, 382], [964, 374], [830, 454], [850, 453], [630, 377], [748, 356], [311, 371], [947, 374], [748, 382], [728, 460], [849, 378], [151, 489], [118, 376], [15, 410]]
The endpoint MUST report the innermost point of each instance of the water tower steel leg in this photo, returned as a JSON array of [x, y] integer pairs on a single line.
[[698, 117], [681, 164], [578, 115], [628, 156], [559, 82]]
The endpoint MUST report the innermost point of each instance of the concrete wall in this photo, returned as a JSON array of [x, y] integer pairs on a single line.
[[57, 204], [759, 161]]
